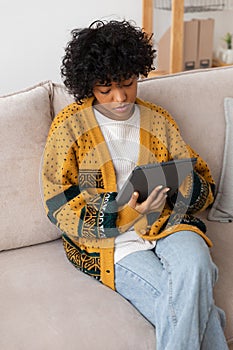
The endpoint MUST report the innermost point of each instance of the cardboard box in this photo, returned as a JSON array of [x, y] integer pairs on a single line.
[[205, 43], [190, 46], [197, 47]]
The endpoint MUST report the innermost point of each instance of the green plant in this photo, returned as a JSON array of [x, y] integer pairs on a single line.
[[228, 40]]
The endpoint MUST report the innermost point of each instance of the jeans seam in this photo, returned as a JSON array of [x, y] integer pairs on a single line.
[[170, 291], [155, 291]]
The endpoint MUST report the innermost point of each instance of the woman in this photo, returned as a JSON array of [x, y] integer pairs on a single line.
[[153, 253]]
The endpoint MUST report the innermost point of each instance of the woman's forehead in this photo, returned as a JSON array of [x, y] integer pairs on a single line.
[[109, 81]]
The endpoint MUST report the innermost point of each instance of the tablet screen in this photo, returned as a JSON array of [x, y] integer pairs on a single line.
[[145, 178]]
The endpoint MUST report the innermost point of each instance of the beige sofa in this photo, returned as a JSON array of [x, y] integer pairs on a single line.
[[45, 303]]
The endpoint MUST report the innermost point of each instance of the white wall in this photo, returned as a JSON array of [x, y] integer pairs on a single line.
[[33, 34]]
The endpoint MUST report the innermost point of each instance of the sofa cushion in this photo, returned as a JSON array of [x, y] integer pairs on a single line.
[[48, 304], [222, 209], [25, 119], [221, 235], [60, 98]]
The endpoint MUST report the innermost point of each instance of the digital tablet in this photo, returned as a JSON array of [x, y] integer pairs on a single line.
[[144, 178]]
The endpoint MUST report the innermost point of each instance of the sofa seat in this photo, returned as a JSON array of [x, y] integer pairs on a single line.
[[46, 302], [221, 237], [44, 297]]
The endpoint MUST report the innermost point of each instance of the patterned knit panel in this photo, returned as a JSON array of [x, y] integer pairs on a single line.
[[83, 260]]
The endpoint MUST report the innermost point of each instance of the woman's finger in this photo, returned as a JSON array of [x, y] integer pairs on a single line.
[[133, 200]]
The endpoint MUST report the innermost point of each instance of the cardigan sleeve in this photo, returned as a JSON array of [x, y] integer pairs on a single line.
[[197, 191]]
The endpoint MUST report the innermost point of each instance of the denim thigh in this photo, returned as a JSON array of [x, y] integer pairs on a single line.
[[139, 279]]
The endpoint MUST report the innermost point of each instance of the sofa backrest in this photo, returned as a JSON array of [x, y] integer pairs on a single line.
[[25, 119], [195, 99]]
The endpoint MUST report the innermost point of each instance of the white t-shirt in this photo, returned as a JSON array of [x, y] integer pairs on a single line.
[[123, 140]]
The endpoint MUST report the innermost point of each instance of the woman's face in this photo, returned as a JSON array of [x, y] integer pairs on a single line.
[[116, 100]]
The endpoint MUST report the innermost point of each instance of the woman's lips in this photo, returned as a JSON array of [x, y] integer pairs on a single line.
[[122, 108]]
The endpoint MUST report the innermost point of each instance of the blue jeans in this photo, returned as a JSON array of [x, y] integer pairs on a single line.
[[172, 286]]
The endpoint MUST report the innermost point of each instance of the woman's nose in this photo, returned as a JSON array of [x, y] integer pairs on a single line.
[[119, 95]]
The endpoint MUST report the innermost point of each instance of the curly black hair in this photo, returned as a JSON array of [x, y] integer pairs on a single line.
[[104, 52]]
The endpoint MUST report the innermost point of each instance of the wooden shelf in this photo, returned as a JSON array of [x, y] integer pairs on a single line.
[[218, 63], [215, 63], [177, 30], [156, 73]]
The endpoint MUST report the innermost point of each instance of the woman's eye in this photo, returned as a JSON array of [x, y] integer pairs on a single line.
[[104, 92], [128, 84]]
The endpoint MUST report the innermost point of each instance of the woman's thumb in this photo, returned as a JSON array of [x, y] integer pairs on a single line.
[[133, 200]]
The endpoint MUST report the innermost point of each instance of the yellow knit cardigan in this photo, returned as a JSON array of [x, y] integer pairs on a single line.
[[79, 185]]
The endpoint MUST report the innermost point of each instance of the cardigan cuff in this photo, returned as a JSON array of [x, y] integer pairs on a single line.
[[127, 216]]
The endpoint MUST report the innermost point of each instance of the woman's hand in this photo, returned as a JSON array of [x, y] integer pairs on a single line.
[[154, 202]]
